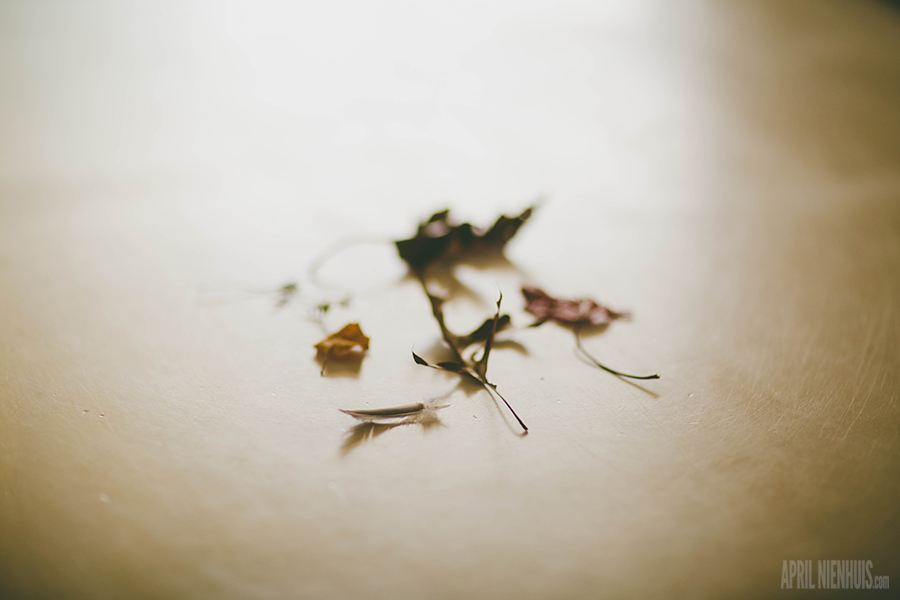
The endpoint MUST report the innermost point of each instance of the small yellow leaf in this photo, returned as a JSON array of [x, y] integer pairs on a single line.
[[350, 339]]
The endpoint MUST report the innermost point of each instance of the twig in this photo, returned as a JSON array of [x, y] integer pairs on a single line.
[[478, 372]]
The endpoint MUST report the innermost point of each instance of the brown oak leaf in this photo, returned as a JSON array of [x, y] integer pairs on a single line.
[[437, 239]]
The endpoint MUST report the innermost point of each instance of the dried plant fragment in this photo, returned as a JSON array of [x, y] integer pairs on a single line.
[[578, 313], [349, 342], [286, 293], [437, 239], [321, 309], [567, 312], [477, 370]]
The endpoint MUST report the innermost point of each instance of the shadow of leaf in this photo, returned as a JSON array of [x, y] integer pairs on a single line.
[[442, 273], [586, 330], [511, 345], [344, 366]]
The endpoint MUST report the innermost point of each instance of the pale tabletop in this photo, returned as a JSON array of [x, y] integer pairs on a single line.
[[729, 172]]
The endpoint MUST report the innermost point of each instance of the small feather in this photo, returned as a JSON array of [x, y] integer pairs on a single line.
[[385, 413]]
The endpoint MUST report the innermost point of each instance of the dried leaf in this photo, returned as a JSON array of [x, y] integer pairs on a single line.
[[349, 341], [445, 366], [437, 239], [568, 312], [577, 313]]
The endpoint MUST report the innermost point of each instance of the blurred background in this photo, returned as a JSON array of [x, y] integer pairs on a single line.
[[728, 171]]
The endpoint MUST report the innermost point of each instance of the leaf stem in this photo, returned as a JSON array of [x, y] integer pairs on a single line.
[[439, 317], [577, 331], [489, 387]]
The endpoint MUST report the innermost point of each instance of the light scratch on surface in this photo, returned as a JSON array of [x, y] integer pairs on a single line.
[[670, 438], [865, 402]]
